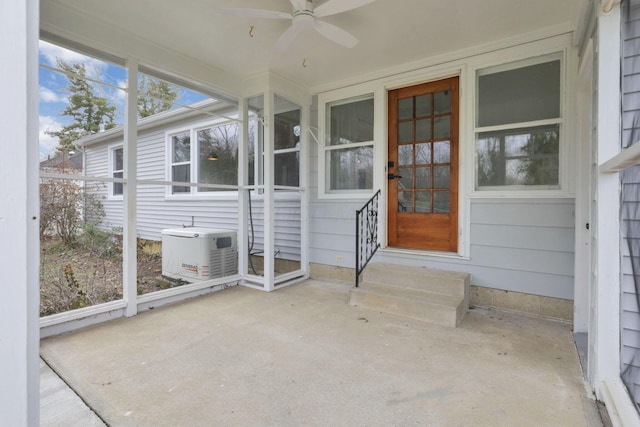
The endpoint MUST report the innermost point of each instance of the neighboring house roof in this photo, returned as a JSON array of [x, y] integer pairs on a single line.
[[198, 108], [65, 160]]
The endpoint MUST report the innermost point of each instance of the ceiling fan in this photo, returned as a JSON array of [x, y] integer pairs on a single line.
[[305, 17]]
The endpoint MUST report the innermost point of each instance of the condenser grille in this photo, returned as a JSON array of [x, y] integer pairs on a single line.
[[223, 262]]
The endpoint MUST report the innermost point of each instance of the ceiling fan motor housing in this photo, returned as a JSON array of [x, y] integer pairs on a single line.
[[304, 19]]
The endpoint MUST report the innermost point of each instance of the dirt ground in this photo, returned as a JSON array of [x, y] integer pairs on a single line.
[[90, 272]]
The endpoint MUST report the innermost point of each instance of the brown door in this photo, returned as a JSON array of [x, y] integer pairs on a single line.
[[423, 166]]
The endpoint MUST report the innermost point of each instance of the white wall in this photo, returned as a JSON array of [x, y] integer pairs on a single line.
[[19, 243]]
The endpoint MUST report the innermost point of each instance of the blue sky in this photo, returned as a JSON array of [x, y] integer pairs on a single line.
[[53, 93]]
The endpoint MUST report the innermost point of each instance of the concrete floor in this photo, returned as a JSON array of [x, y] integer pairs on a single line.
[[302, 356]]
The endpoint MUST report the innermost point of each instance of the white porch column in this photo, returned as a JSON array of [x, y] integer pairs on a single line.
[[19, 214], [269, 192], [605, 330], [243, 180], [130, 188]]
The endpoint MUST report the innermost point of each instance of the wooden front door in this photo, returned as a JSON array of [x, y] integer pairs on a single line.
[[423, 166]]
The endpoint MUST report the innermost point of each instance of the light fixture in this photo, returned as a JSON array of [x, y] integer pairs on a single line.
[[212, 156]]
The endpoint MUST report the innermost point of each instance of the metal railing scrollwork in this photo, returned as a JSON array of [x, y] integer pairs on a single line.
[[366, 234]]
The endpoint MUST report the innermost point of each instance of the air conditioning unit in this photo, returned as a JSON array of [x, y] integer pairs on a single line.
[[194, 254]]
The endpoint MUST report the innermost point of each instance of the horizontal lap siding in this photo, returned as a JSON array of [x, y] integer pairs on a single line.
[[630, 211], [157, 212], [522, 245]]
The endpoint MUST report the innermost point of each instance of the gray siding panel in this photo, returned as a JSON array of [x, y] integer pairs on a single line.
[[157, 212], [522, 245]]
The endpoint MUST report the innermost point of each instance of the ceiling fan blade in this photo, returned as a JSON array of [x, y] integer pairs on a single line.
[[332, 7], [256, 13], [286, 38], [335, 34], [299, 4]]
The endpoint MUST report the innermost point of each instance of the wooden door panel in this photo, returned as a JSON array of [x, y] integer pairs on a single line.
[[423, 166]]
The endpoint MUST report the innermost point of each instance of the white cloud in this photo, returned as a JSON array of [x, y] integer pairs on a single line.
[[48, 143], [47, 95], [50, 54]]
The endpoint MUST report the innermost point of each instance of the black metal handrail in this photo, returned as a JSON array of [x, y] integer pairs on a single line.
[[366, 234]]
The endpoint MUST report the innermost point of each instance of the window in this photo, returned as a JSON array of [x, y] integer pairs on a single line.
[[212, 159], [349, 145], [181, 161], [117, 170], [518, 125], [218, 156], [287, 148]]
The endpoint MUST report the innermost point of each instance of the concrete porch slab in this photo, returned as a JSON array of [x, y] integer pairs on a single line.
[[302, 356]]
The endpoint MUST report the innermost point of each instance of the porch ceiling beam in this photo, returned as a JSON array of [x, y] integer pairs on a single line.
[[66, 22]]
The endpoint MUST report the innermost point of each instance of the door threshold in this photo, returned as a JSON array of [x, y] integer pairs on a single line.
[[423, 253]]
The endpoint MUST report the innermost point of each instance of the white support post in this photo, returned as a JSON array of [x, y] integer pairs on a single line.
[[607, 275], [243, 180], [19, 215], [130, 154], [304, 196], [269, 246]]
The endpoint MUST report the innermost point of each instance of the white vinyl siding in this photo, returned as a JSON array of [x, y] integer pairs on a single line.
[[630, 206], [521, 245], [157, 212]]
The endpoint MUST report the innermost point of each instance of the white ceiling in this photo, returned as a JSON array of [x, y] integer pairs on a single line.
[[391, 32]]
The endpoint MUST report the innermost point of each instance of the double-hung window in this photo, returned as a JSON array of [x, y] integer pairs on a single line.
[[349, 145], [518, 125], [181, 161], [117, 170], [204, 155]]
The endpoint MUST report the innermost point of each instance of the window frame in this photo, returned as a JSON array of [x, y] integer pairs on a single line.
[[342, 97], [192, 129], [112, 171], [534, 191]]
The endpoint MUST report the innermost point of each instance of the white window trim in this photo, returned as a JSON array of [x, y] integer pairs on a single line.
[[562, 190], [111, 165], [193, 194], [373, 91]]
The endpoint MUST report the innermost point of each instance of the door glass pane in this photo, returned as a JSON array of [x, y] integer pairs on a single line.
[[405, 108], [423, 202], [423, 177], [441, 177], [441, 202], [423, 129], [423, 154], [423, 105], [405, 182], [405, 132], [441, 152], [442, 102], [405, 155], [405, 201], [442, 127]]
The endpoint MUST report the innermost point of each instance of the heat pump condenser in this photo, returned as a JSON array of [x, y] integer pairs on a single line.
[[194, 254]]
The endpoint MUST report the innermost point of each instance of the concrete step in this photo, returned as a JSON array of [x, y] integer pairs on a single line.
[[430, 295], [419, 278]]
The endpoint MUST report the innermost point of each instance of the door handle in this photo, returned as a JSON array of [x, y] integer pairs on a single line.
[[392, 176]]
